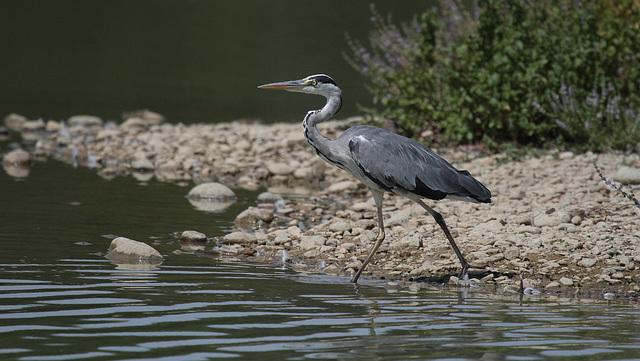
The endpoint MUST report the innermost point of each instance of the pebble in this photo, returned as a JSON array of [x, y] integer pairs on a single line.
[[14, 121], [627, 175], [512, 253], [193, 236], [84, 121], [142, 163], [193, 241], [339, 226], [253, 216], [566, 281], [343, 186], [268, 197], [587, 262], [17, 158], [239, 237], [332, 269], [33, 125], [311, 242], [551, 220], [278, 168]]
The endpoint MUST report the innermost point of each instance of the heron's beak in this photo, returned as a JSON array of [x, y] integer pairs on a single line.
[[292, 85]]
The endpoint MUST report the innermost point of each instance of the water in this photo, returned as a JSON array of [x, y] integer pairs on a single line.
[[60, 299], [193, 61], [200, 309]]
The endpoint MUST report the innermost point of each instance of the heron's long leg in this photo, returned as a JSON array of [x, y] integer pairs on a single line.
[[438, 217], [377, 196]]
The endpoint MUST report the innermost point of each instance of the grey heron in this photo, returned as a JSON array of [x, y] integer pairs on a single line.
[[385, 162]]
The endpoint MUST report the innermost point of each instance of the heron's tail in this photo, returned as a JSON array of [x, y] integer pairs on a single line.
[[470, 189]]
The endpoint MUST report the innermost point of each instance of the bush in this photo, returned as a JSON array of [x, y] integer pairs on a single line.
[[537, 72]]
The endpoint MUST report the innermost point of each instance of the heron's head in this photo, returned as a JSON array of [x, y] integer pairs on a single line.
[[319, 84]]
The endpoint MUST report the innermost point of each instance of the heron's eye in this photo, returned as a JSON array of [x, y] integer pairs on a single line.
[[314, 82]]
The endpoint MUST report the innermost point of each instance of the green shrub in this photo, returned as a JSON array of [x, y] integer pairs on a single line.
[[537, 72]]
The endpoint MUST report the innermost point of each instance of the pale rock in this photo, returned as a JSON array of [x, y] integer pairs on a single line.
[[553, 284], [339, 226], [280, 236], [397, 219], [134, 124], [566, 281], [211, 190], [252, 216], [303, 172], [347, 247], [312, 253], [193, 236], [517, 194], [33, 125], [617, 275], [332, 270], [512, 253], [300, 267], [627, 175], [127, 251], [278, 168], [239, 237], [587, 262], [142, 163], [193, 241], [311, 242], [17, 158], [150, 117], [84, 121], [268, 197], [294, 232], [355, 265], [410, 241], [343, 186], [551, 220], [229, 249], [486, 228], [363, 206], [565, 155], [242, 145], [14, 121], [53, 126]]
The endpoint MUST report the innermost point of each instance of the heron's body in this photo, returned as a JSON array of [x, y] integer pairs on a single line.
[[384, 161]]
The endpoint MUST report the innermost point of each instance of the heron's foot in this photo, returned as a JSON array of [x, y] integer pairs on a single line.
[[464, 273]]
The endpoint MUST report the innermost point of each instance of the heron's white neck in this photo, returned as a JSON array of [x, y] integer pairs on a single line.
[[317, 141]]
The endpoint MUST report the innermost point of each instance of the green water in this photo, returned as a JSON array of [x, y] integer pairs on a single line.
[[193, 61]]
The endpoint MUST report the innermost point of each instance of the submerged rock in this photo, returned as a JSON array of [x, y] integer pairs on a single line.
[[125, 250], [211, 191], [193, 241]]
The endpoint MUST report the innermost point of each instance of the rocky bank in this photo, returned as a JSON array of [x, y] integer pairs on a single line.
[[553, 225]]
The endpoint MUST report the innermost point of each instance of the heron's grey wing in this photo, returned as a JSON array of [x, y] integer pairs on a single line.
[[393, 161]]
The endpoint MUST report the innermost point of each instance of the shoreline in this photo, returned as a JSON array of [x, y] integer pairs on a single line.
[[553, 226]]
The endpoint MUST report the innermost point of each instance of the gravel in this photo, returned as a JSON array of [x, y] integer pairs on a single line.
[[553, 224]]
